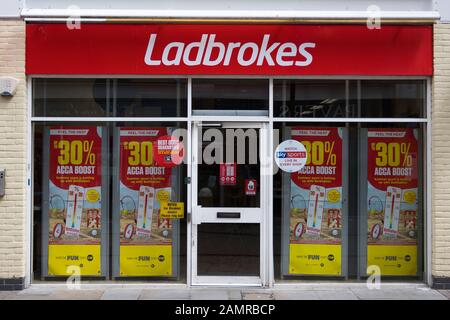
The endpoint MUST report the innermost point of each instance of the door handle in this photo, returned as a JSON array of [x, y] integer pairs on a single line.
[[229, 215]]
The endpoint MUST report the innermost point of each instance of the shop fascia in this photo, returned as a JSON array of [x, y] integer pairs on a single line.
[[248, 53]]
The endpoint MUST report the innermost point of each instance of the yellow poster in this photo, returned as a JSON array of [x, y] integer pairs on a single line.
[[393, 260], [172, 210], [315, 259], [393, 200], [74, 201], [66, 260], [317, 204], [150, 260], [146, 237]]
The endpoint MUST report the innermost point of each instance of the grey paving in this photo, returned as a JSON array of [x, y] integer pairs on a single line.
[[445, 293], [121, 294], [336, 295], [296, 295], [300, 291], [258, 295], [202, 294], [162, 294], [235, 294], [397, 294]]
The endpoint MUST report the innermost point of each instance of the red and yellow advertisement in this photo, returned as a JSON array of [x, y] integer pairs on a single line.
[[392, 200], [145, 182], [75, 178], [316, 204]]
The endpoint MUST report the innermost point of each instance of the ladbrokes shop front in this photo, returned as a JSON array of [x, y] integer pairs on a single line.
[[232, 154]]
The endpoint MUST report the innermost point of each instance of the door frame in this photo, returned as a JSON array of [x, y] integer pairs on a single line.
[[257, 215]]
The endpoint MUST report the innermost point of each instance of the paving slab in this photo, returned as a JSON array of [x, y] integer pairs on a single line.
[[7, 294], [336, 295], [257, 295], [170, 294], [81, 294], [235, 294], [296, 295], [202, 294], [392, 294], [321, 291], [121, 294], [27, 297], [445, 293]]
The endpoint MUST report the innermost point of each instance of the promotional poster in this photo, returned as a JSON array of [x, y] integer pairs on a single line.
[[146, 156], [316, 220], [75, 200], [392, 200]]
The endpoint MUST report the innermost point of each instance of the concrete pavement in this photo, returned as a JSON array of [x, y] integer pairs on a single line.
[[317, 291]]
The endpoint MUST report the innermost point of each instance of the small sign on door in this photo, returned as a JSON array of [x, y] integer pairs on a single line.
[[228, 174], [250, 187]]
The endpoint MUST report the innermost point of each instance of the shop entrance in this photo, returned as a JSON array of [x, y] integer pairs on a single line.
[[229, 194]]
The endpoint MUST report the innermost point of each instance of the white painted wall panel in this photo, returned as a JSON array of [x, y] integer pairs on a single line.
[[329, 5], [443, 6], [10, 8]]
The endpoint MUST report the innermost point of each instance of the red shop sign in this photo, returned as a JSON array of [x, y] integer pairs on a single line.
[[228, 49]]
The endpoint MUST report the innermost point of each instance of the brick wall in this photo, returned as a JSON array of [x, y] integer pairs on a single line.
[[441, 155], [13, 156]]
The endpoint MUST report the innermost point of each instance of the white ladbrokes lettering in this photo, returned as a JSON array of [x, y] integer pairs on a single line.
[[209, 52]]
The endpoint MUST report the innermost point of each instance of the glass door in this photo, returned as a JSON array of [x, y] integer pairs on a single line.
[[229, 204]]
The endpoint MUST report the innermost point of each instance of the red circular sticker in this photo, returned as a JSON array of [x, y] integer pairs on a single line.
[[168, 151], [58, 230], [376, 231], [299, 230], [128, 231]]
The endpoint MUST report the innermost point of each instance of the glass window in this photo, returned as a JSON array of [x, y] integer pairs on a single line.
[[110, 98], [356, 206], [150, 97], [230, 97], [98, 192], [309, 98], [349, 98], [70, 98], [227, 170], [392, 99], [228, 249]]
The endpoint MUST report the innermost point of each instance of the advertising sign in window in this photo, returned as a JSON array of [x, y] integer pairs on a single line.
[[316, 204], [146, 239], [75, 201], [392, 200]]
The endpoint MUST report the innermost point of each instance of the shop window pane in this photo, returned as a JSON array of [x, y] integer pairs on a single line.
[[391, 200], [391, 99], [372, 209], [223, 180], [89, 182], [230, 97], [144, 243], [227, 249], [150, 97], [349, 98], [70, 98], [314, 204], [309, 98]]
